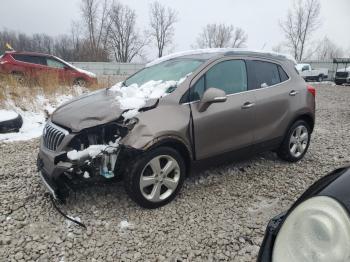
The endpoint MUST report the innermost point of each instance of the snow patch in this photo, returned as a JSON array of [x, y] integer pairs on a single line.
[[216, 50], [93, 151], [34, 119], [124, 224], [7, 115], [134, 97]]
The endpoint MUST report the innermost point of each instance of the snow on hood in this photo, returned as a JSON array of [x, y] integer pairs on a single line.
[[7, 115], [216, 50], [77, 68], [135, 97]]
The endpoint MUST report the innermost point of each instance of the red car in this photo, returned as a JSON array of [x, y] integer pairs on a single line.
[[29, 65]]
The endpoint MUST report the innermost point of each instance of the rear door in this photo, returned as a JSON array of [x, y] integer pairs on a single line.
[[225, 126], [275, 100]]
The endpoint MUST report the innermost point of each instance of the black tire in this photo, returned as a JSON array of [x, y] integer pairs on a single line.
[[132, 178], [12, 125], [320, 78], [80, 82], [284, 152]]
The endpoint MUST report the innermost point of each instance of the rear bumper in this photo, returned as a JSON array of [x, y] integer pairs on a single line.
[[340, 81]]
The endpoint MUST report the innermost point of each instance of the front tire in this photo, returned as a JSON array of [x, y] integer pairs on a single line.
[[156, 177], [296, 142], [320, 78]]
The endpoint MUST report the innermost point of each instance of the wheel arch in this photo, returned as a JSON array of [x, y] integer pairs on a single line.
[[177, 144], [307, 117]]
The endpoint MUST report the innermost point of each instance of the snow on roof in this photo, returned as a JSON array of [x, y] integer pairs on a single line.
[[218, 51]]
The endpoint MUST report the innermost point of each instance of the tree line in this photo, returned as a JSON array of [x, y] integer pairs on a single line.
[[107, 30]]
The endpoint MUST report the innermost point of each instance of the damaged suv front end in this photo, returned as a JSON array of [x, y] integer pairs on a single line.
[[96, 138], [67, 160]]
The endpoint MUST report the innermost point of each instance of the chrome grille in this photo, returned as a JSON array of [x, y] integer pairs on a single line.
[[53, 136]]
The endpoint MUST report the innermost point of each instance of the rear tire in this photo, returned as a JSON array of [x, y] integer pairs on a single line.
[[155, 178], [296, 142], [320, 78]]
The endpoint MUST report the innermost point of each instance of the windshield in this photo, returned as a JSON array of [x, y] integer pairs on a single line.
[[171, 70]]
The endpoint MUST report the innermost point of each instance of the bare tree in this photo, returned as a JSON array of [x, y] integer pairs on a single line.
[[95, 15], [328, 50], [162, 22], [302, 20], [221, 35], [124, 38]]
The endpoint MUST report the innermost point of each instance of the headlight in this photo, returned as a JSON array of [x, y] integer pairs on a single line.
[[316, 230]]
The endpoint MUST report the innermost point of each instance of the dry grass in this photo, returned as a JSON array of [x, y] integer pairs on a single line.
[[23, 93]]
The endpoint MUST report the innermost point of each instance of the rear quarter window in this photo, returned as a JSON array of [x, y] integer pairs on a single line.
[[283, 74], [266, 74]]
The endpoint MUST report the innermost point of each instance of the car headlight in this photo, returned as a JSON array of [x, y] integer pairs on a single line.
[[316, 230]]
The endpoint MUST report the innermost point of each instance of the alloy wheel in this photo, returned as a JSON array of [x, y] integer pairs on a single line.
[[159, 178], [298, 141]]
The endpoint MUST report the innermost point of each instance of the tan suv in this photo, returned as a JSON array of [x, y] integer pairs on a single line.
[[177, 111]]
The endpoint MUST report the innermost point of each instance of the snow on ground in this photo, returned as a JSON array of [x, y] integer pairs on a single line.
[[34, 115], [7, 115]]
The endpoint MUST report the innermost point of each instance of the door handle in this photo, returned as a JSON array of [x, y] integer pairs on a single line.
[[293, 93], [247, 105]]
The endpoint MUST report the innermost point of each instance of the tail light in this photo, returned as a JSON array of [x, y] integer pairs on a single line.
[[311, 89]]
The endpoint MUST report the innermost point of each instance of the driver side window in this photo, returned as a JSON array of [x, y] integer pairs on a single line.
[[230, 76]]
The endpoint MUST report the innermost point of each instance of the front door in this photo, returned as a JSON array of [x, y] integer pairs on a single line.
[[225, 126]]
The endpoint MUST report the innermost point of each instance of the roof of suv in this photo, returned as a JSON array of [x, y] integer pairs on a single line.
[[218, 52], [26, 53]]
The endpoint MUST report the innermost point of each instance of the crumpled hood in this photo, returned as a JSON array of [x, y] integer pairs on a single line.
[[90, 110]]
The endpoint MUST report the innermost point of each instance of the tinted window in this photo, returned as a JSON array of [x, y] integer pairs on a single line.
[[266, 74], [283, 74], [54, 63], [198, 89], [230, 76], [30, 59]]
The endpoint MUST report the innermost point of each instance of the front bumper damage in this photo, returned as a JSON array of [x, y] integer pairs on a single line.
[[60, 175]]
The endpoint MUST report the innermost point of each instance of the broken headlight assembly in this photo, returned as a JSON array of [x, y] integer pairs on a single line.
[[94, 151], [316, 227]]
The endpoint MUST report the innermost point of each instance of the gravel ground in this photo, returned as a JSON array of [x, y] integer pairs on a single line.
[[220, 214]]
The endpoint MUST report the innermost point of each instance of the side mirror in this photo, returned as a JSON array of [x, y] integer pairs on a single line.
[[211, 95]]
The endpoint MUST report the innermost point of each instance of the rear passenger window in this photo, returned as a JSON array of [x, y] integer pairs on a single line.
[[39, 60], [230, 76], [266, 74], [283, 74]]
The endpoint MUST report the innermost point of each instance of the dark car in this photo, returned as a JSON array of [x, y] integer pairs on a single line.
[[33, 66], [316, 227], [342, 76], [179, 110]]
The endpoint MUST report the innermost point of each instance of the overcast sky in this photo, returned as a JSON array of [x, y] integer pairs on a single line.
[[259, 18]]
